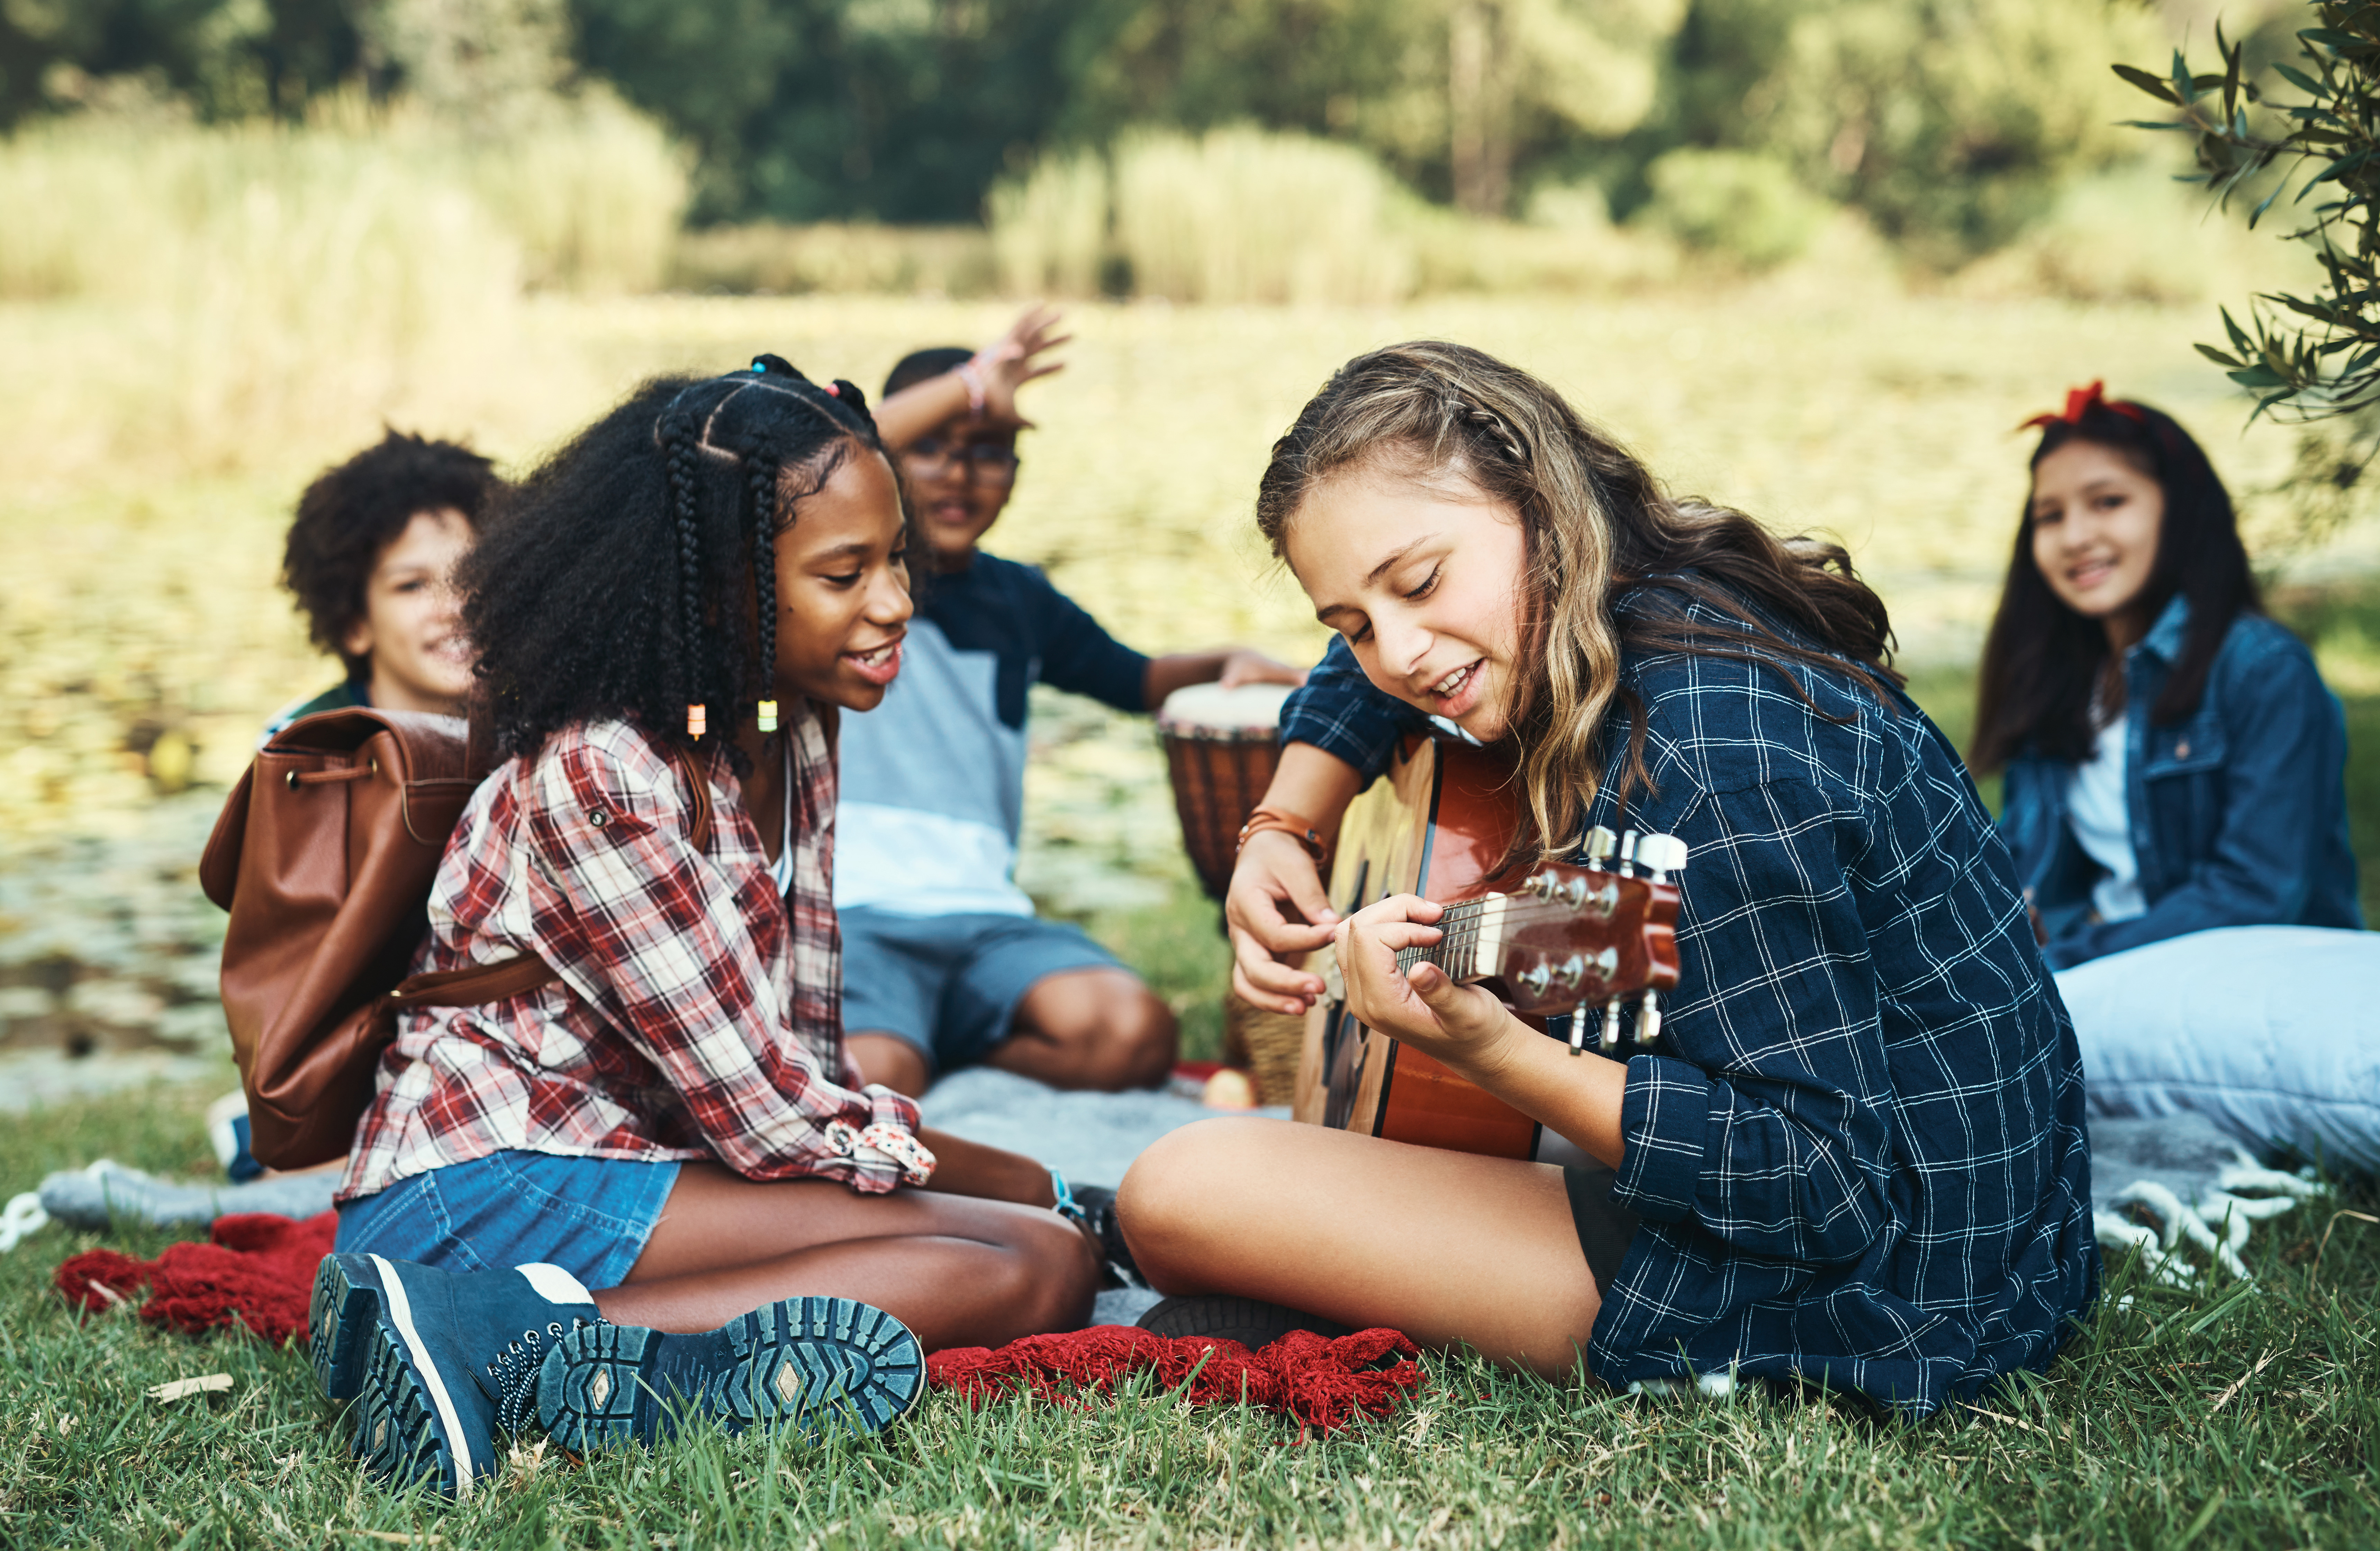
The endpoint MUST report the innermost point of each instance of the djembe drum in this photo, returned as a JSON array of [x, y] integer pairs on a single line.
[[1221, 748]]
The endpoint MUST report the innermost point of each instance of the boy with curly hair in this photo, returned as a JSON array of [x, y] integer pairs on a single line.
[[369, 559]]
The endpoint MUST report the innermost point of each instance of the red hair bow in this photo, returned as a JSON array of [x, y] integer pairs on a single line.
[[2080, 401]]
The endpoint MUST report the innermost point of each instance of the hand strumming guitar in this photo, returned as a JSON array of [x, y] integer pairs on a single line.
[[1277, 908]]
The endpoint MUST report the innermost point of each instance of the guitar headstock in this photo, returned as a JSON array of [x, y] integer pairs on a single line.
[[1572, 936]]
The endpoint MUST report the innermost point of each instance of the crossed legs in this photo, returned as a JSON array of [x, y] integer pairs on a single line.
[[1079, 1028], [1449, 1248], [957, 1270]]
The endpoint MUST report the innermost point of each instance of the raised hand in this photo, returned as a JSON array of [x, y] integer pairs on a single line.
[[1016, 358]]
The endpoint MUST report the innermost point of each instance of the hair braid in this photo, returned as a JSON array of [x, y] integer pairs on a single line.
[[690, 654], [1486, 422], [760, 478]]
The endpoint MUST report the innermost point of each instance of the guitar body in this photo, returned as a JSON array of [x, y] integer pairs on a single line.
[[1435, 824], [1440, 824]]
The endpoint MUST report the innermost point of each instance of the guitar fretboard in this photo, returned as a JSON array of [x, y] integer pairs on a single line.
[[1457, 951]]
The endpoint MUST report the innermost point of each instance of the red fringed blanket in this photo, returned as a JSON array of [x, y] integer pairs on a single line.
[[1323, 1383], [257, 1272]]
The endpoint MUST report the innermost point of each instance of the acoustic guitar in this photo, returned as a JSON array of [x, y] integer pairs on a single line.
[[1547, 940]]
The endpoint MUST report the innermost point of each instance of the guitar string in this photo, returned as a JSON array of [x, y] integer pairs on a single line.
[[1463, 929]]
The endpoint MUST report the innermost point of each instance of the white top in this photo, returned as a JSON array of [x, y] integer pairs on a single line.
[[2099, 813], [781, 871]]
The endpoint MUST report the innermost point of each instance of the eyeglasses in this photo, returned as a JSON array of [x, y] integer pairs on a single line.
[[995, 463]]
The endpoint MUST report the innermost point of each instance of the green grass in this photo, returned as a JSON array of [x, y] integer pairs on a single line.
[[2238, 1416]]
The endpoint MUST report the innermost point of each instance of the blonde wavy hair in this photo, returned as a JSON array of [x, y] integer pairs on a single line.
[[1597, 523]]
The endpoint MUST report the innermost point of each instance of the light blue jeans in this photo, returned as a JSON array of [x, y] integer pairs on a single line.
[[2273, 1032]]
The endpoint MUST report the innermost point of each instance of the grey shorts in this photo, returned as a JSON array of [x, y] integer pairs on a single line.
[[949, 984]]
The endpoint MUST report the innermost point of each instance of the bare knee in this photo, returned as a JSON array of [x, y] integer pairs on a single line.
[[1139, 1042], [1096, 1029], [1053, 1271], [892, 1061], [1185, 1188]]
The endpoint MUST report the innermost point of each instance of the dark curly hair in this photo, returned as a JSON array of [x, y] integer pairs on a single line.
[[633, 574], [2041, 660], [350, 513]]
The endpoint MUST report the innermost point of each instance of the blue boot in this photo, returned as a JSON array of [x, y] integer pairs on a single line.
[[815, 1362], [437, 1361]]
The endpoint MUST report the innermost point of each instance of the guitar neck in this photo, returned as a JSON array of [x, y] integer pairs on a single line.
[[1472, 943]]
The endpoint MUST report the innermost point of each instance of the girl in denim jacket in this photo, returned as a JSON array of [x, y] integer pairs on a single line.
[[2174, 761]]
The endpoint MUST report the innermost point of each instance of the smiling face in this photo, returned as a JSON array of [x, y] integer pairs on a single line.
[[2096, 519], [843, 588], [959, 475], [1424, 580], [412, 628]]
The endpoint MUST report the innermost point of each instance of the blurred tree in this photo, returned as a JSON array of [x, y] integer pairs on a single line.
[[803, 110], [226, 58], [479, 64], [1950, 123], [1454, 94]]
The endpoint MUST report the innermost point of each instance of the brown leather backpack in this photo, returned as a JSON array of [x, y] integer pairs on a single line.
[[324, 856]]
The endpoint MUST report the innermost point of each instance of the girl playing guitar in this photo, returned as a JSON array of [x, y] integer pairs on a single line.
[[1857, 1155]]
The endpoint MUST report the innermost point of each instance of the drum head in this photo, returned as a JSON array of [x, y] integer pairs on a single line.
[[1249, 713]]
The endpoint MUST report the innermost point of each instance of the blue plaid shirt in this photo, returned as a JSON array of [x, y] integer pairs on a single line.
[[1860, 1157]]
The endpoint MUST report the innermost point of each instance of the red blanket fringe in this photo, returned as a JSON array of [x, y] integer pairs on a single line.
[[1324, 1382], [257, 1272]]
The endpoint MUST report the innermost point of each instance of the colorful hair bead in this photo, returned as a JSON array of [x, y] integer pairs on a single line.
[[697, 721], [768, 716]]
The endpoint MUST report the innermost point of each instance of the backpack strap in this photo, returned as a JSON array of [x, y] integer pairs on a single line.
[[506, 978], [474, 985]]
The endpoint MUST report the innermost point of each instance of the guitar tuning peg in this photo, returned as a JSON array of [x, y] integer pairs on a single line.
[[1660, 855], [1610, 1040], [1600, 843], [1648, 1019], [1627, 850]]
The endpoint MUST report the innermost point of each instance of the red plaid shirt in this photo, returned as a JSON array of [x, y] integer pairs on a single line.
[[698, 1015]]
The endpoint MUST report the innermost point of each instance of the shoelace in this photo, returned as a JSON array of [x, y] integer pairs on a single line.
[[513, 1372]]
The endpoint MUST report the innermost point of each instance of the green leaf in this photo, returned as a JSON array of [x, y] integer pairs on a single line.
[[2147, 83], [2220, 358], [2294, 76]]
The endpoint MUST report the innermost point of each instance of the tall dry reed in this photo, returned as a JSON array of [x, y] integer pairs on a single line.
[[216, 297], [1049, 227], [1241, 215]]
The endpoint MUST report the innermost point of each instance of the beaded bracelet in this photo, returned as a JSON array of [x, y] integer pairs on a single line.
[[972, 375]]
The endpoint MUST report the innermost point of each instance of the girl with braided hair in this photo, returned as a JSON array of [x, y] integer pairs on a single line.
[[652, 1181], [1856, 1154]]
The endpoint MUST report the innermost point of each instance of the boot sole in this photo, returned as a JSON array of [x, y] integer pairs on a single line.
[[813, 1362], [338, 1321], [407, 1426]]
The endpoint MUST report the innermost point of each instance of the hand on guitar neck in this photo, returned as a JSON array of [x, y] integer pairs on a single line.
[[1469, 1029]]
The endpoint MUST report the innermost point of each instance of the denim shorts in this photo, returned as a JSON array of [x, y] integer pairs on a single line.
[[589, 1216], [949, 984]]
